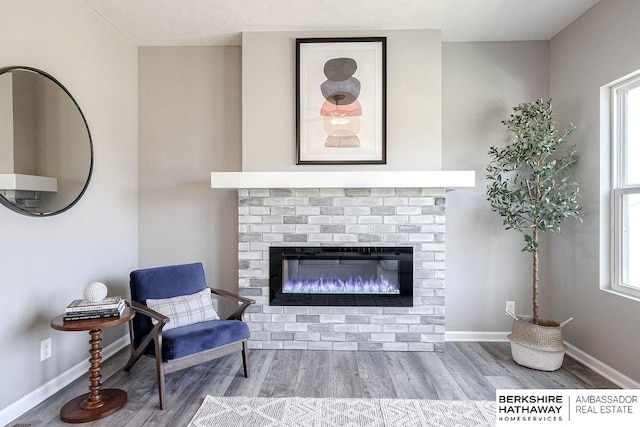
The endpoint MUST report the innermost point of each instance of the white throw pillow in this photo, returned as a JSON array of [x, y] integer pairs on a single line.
[[185, 310]]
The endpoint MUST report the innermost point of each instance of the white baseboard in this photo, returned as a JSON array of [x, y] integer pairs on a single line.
[[39, 395], [606, 371], [587, 360]]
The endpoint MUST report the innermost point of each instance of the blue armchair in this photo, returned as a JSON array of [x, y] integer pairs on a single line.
[[181, 346]]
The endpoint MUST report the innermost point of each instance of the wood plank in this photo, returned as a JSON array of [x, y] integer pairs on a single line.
[[260, 364], [438, 375], [464, 372], [313, 378], [280, 381], [344, 376], [408, 377]]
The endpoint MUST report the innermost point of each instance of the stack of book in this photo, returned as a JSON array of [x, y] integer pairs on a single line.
[[82, 309]]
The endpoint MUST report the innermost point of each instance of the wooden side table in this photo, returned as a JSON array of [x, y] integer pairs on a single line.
[[97, 403]]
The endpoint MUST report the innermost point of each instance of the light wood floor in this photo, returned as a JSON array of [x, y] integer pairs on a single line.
[[465, 371]]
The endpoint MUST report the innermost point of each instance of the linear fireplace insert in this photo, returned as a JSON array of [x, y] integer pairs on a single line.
[[341, 276]]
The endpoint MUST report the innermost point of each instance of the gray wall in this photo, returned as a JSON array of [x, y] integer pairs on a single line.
[[481, 82], [189, 126], [598, 48], [46, 262], [413, 100]]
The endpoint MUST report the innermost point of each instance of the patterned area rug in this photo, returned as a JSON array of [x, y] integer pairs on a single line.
[[333, 412]]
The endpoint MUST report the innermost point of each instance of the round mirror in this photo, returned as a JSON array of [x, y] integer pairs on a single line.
[[46, 153]]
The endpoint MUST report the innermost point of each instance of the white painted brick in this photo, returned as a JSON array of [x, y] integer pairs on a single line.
[[253, 326], [422, 329], [369, 328], [243, 210], [396, 237], [273, 327], [421, 237], [385, 192], [345, 238], [370, 310], [357, 210], [296, 201], [307, 210], [307, 228], [344, 219], [261, 336], [408, 318], [346, 201], [370, 219], [383, 337], [320, 345], [250, 273], [421, 219], [370, 201], [341, 346], [383, 228], [254, 345], [346, 310], [283, 228], [395, 328], [395, 346], [432, 337], [307, 336], [295, 345], [273, 237], [259, 210], [307, 192], [273, 345], [396, 201], [409, 210], [273, 219], [296, 327], [283, 318], [272, 309], [259, 228], [347, 327], [322, 310], [384, 319], [356, 228], [259, 192], [396, 219], [332, 318], [420, 346], [249, 219], [258, 317], [421, 201], [332, 336], [243, 192], [320, 237], [320, 219], [295, 309], [332, 192], [432, 265]]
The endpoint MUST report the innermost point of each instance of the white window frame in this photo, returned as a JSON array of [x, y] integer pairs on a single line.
[[619, 188]]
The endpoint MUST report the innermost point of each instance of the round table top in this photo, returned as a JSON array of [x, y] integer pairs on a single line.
[[91, 324]]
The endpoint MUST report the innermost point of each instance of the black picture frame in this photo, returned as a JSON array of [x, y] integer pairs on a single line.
[[341, 97]]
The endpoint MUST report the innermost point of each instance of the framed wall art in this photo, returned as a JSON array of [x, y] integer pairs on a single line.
[[341, 100]]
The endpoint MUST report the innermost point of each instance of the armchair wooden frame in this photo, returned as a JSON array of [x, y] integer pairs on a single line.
[[167, 366]]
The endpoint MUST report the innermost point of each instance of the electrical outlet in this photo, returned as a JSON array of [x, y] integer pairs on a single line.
[[45, 349], [511, 306]]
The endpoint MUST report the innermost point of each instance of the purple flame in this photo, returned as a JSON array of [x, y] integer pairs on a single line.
[[339, 286]]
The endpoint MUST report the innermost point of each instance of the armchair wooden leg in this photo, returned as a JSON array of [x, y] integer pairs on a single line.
[[245, 358], [160, 373]]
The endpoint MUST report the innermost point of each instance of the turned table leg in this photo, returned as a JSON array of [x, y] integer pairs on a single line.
[[97, 403]]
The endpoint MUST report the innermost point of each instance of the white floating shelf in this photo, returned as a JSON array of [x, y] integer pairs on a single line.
[[342, 179], [15, 181]]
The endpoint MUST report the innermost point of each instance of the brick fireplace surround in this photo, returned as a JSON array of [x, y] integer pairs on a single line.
[[352, 217]]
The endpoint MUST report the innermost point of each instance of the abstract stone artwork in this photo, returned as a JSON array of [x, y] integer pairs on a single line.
[[341, 96]]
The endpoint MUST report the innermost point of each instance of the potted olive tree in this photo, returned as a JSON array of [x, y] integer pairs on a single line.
[[530, 189]]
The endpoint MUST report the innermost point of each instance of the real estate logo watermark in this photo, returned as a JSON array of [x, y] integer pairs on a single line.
[[567, 407]]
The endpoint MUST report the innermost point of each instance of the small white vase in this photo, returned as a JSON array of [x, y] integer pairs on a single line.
[[95, 292]]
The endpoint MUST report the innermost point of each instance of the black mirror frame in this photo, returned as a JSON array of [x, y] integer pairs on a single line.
[[18, 209]]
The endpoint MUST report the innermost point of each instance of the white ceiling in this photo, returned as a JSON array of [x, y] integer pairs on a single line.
[[220, 22]]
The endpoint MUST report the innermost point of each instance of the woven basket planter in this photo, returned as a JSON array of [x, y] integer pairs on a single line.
[[538, 346]]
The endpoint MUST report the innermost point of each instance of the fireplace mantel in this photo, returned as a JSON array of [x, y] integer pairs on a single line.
[[344, 179]]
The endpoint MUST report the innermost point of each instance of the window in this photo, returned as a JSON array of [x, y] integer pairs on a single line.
[[626, 186]]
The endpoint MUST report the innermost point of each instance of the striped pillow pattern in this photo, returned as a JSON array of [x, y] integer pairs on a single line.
[[185, 310]]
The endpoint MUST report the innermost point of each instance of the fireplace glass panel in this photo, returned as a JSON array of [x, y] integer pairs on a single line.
[[351, 276]]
